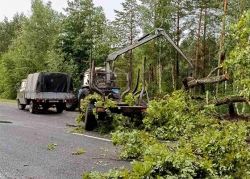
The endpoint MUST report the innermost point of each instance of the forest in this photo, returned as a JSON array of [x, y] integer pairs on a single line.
[[201, 132]]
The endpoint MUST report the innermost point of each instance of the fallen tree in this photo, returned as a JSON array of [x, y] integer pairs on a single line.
[[191, 82], [225, 100]]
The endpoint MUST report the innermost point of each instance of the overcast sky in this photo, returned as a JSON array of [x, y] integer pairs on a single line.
[[10, 7]]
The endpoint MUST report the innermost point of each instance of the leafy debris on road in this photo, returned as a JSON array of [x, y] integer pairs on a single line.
[[101, 163], [52, 146], [105, 150], [79, 151], [79, 130]]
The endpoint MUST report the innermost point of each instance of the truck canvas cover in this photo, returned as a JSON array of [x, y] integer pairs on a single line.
[[49, 82]]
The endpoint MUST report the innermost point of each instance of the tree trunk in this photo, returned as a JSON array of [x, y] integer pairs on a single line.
[[204, 50], [226, 100], [222, 39], [131, 52], [159, 73], [176, 64], [191, 82], [204, 45], [198, 44]]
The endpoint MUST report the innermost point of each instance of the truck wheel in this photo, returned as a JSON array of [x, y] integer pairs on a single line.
[[71, 106], [20, 106], [90, 121], [33, 107], [85, 92], [60, 108]]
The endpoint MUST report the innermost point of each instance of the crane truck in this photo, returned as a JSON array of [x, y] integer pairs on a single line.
[[102, 80]]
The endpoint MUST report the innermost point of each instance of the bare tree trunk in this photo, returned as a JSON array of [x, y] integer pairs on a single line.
[[204, 45], [204, 49], [131, 52], [222, 39], [176, 64], [160, 70], [198, 44], [150, 75]]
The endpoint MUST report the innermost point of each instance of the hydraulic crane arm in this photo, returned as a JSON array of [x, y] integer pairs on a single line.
[[146, 38]]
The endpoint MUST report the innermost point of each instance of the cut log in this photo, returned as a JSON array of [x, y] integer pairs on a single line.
[[191, 82]]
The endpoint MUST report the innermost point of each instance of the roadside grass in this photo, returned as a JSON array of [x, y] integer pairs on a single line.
[[8, 100]]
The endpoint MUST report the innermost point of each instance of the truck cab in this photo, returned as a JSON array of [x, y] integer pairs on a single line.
[[21, 94]]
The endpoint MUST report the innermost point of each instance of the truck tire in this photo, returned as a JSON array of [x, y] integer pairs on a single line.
[[33, 107], [71, 106], [85, 92], [90, 120], [20, 106], [60, 107]]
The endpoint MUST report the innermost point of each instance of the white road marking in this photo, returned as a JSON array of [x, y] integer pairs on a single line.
[[89, 136]]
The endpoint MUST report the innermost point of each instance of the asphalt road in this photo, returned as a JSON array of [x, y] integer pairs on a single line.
[[24, 141]]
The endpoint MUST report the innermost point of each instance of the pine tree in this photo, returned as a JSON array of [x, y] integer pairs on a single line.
[[81, 37], [126, 23]]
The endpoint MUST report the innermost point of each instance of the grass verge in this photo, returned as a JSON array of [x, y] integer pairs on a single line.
[[8, 100]]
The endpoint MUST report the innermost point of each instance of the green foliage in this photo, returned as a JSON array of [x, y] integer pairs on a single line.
[[173, 116], [82, 36], [130, 99], [79, 130], [239, 62], [160, 160], [134, 142], [123, 173], [224, 146], [204, 148], [32, 50], [126, 22], [84, 103], [52, 146], [79, 151], [9, 30], [110, 121]]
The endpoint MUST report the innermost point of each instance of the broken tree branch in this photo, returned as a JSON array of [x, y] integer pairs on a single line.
[[215, 69]]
